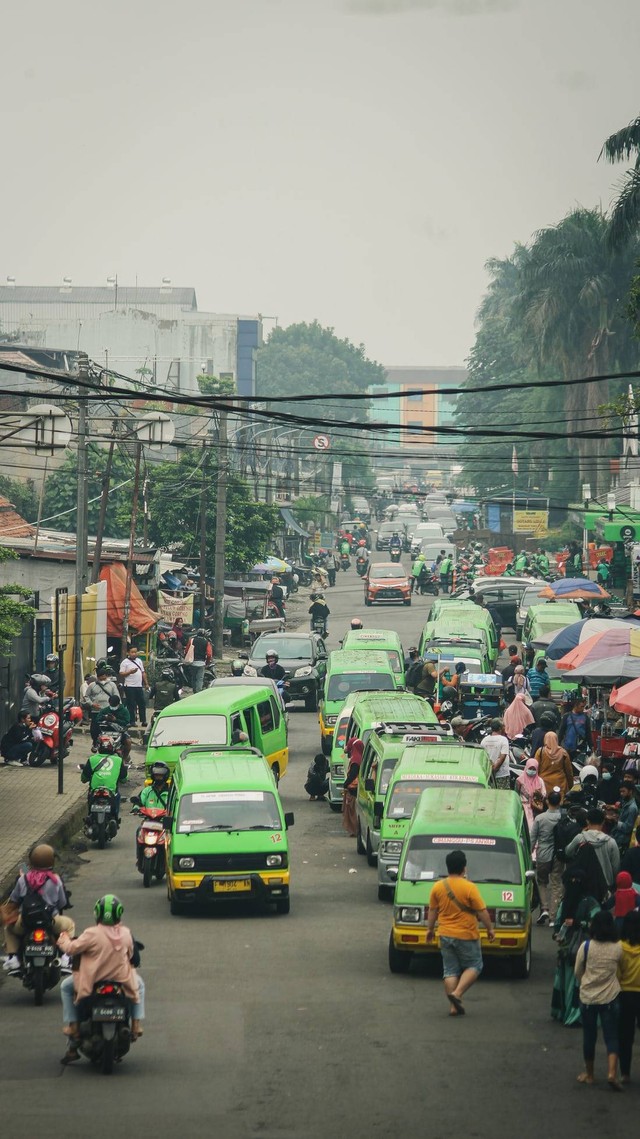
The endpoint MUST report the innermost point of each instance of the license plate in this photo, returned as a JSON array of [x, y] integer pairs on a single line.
[[232, 886], [39, 951], [116, 1012], [99, 808]]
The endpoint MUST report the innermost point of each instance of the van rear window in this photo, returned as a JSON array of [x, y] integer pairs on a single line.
[[489, 860], [183, 731]]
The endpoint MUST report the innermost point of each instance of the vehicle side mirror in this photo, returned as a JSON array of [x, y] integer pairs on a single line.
[[289, 819], [392, 871], [378, 809], [529, 875], [369, 784], [167, 822]]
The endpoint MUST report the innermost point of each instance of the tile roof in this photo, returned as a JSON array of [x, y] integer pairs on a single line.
[[12, 525]]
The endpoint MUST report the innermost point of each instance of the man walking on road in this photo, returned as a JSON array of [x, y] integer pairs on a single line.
[[457, 906], [132, 676]]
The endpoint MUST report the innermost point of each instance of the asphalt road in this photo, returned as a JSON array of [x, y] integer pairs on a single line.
[[282, 1026]]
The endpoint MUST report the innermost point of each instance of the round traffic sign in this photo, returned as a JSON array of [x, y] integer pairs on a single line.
[[627, 533], [321, 442]]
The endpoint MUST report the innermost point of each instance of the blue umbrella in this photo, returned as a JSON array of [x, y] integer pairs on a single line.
[[570, 637], [573, 587]]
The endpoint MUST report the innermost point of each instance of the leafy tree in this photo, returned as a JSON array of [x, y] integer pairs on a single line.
[[174, 504], [22, 495], [13, 614], [624, 146], [212, 385]]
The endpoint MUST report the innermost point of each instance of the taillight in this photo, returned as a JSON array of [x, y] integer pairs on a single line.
[[102, 989], [39, 935], [101, 793]]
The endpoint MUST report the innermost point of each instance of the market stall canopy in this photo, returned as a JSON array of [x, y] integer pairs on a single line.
[[141, 617], [625, 640], [291, 523], [560, 643], [607, 671], [574, 589], [627, 698], [270, 565]]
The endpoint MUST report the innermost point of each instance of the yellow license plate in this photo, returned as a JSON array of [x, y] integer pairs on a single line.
[[232, 886]]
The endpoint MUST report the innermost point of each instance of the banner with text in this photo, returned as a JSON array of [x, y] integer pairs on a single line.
[[535, 522], [170, 607]]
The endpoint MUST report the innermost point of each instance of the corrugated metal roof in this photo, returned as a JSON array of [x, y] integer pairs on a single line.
[[74, 294]]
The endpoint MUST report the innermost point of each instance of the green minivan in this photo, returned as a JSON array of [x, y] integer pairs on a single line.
[[490, 827], [219, 717], [546, 618], [380, 640], [349, 672], [226, 831], [421, 765], [466, 620]]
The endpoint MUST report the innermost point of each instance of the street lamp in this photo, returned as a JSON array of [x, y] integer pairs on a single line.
[[586, 498]]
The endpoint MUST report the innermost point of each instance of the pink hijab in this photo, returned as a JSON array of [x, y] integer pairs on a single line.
[[517, 717]]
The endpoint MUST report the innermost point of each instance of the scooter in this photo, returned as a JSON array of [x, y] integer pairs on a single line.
[[319, 626], [394, 554], [105, 1032], [431, 584], [362, 565], [101, 823], [40, 969], [151, 843], [47, 747], [345, 562]]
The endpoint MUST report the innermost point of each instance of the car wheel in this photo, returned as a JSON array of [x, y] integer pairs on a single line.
[[399, 959], [311, 702], [407, 601], [335, 807], [283, 905], [360, 847], [372, 858], [367, 601], [325, 744], [521, 965], [385, 893]]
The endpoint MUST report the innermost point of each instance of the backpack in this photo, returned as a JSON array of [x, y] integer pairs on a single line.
[[586, 859], [573, 733], [414, 673], [564, 831], [34, 909]]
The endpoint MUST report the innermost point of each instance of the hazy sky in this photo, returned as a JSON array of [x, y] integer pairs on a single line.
[[351, 160]]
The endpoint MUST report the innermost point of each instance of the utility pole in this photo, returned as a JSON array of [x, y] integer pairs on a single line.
[[203, 533], [104, 499], [221, 533], [132, 538], [82, 521]]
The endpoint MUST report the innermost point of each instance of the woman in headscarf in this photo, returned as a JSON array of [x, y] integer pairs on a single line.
[[354, 750], [532, 790], [519, 684], [624, 900], [554, 765], [517, 717]]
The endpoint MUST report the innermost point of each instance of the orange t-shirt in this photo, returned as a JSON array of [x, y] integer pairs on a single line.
[[452, 921]]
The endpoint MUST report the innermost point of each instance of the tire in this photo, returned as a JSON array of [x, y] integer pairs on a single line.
[[360, 847], [160, 868], [367, 601], [372, 858], [283, 905], [101, 836], [108, 1056], [276, 773], [335, 807], [176, 908], [147, 873], [311, 702], [38, 987], [399, 960], [325, 744], [407, 601], [38, 755], [385, 893], [521, 965]]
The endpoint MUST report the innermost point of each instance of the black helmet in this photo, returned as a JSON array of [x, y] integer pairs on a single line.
[[167, 674], [548, 720], [159, 772]]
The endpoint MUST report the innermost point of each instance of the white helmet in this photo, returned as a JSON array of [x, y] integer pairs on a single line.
[[588, 770]]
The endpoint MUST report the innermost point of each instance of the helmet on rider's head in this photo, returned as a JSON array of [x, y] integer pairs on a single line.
[[51, 660], [588, 771], [42, 856], [362, 542], [37, 679], [237, 667], [159, 772], [108, 910], [319, 597], [271, 654], [356, 623], [167, 674], [548, 720]]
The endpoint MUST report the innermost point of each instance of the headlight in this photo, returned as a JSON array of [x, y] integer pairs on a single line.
[[306, 671], [186, 863], [510, 917], [338, 769], [274, 860], [408, 913], [392, 847], [330, 720]]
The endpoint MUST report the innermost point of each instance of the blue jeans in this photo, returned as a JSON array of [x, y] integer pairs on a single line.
[[69, 1010], [459, 954], [608, 1016]]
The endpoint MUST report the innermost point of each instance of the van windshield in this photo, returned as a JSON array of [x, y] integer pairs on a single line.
[[343, 683], [228, 811], [181, 731], [488, 859], [406, 792]]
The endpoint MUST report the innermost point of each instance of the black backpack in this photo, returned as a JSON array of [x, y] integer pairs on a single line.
[[34, 910], [587, 860], [565, 830], [414, 673]]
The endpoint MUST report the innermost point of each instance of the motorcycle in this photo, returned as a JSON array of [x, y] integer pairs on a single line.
[[40, 968], [345, 562], [394, 554], [150, 843], [362, 564], [430, 584], [319, 626], [105, 1032], [101, 823], [48, 745]]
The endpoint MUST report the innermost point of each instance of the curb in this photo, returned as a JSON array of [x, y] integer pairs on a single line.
[[58, 835]]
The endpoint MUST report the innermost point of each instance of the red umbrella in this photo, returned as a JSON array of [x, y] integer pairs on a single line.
[[627, 698]]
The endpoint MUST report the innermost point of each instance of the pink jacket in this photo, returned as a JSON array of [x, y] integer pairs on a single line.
[[106, 952]]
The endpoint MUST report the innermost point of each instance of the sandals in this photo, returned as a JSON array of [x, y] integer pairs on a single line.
[[457, 1004]]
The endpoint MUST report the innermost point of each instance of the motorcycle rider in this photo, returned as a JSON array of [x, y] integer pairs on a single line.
[[395, 542], [107, 952], [239, 665], [345, 547], [277, 596], [156, 794], [202, 655], [56, 680], [35, 695], [521, 563], [165, 691], [98, 694], [106, 771], [542, 562], [115, 717], [272, 669], [319, 611], [40, 880]]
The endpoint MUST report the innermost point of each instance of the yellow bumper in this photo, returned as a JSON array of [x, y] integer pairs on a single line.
[[507, 942], [191, 882]]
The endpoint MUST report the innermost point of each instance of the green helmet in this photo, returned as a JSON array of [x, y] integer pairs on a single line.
[[108, 910]]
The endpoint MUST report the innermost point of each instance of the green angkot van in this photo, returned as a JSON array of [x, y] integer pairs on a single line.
[[349, 672], [467, 620], [216, 717], [543, 619], [419, 766], [490, 827], [380, 640], [226, 831]]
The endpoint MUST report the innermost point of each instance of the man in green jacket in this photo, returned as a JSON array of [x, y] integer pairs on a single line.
[[105, 771], [415, 572]]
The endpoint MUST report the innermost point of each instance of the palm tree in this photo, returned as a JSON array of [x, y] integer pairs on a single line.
[[625, 217]]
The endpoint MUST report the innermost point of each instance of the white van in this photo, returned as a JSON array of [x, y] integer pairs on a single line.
[[428, 532], [431, 550]]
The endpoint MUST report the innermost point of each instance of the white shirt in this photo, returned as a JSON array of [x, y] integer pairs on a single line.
[[495, 746], [132, 671]]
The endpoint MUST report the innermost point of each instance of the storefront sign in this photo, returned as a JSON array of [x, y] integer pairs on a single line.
[[535, 522], [170, 607]]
